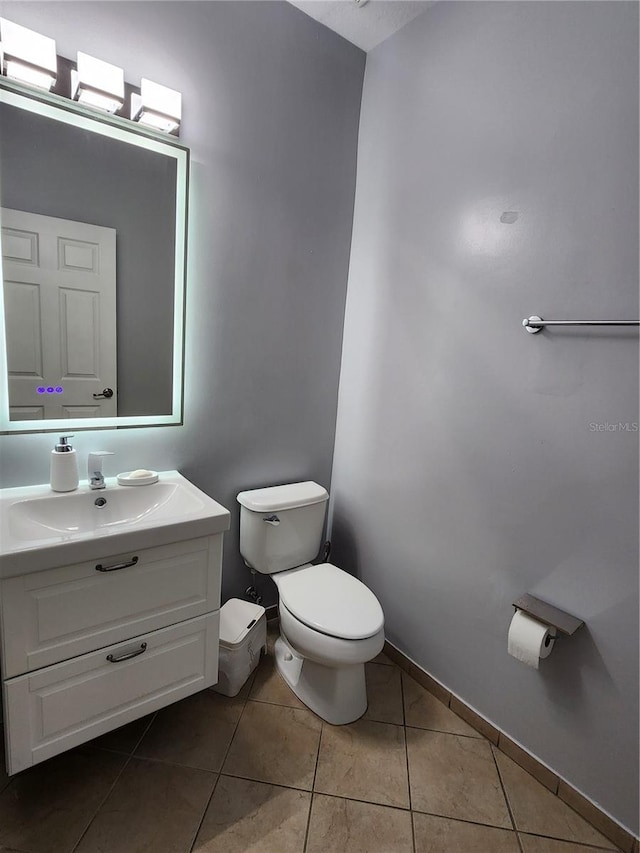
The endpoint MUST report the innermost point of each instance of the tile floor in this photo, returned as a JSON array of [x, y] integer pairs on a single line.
[[260, 772]]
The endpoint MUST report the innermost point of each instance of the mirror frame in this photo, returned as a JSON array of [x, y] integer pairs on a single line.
[[85, 118]]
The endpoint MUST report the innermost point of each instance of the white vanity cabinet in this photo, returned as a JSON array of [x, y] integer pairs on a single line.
[[88, 646]]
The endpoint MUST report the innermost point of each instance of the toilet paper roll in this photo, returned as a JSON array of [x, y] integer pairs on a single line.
[[529, 640]]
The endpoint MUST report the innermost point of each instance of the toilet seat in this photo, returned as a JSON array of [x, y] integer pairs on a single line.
[[330, 601], [333, 652]]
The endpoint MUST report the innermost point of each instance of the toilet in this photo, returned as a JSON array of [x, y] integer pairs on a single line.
[[330, 623]]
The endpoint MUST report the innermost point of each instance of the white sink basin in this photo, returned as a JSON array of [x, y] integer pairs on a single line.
[[93, 512], [41, 529]]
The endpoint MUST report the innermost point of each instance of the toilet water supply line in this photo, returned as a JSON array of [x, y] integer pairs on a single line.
[[251, 591]]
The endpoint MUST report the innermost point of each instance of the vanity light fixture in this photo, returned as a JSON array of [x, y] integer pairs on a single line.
[[27, 56], [157, 106], [97, 84]]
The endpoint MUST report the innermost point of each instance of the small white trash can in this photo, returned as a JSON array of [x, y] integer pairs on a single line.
[[243, 635]]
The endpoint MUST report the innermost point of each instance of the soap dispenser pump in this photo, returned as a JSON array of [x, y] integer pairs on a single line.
[[64, 466]]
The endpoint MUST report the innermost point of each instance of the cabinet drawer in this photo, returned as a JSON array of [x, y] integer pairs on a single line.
[[64, 705], [57, 614]]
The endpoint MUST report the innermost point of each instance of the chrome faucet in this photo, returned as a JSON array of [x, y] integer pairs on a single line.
[[94, 466]]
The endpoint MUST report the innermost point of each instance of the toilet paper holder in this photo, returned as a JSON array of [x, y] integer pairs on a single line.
[[564, 623]]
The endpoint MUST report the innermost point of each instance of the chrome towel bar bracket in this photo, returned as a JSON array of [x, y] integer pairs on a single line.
[[535, 324]]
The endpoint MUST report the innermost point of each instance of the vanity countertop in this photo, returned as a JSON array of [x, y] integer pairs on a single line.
[[41, 529]]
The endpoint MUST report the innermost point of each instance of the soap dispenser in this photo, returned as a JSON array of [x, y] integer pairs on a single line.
[[64, 466]]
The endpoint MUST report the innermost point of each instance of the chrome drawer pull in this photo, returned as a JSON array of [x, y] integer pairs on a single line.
[[128, 655], [116, 566]]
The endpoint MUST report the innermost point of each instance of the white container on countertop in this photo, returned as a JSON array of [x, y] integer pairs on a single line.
[[64, 466]]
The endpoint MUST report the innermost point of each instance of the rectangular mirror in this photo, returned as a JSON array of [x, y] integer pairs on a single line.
[[93, 210]]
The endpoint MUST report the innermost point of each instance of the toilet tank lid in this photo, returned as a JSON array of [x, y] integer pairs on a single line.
[[289, 496]]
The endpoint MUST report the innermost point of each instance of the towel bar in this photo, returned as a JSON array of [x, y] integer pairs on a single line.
[[535, 324]]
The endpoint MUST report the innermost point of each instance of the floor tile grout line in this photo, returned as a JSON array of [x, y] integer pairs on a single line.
[[271, 701], [584, 844], [506, 798], [476, 823], [404, 710], [444, 732], [364, 802], [251, 680], [615, 847], [363, 718], [313, 786], [235, 731], [494, 751], [102, 802], [322, 793], [312, 791], [315, 769], [466, 820], [152, 760], [264, 782], [413, 830], [204, 812], [406, 755], [130, 756], [144, 733], [224, 758], [278, 704]]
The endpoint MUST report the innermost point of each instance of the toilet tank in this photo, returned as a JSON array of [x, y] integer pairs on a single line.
[[281, 526]]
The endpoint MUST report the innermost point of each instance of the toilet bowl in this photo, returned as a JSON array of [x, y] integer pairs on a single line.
[[331, 624]]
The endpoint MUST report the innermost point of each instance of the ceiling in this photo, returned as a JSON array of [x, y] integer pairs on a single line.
[[367, 23]]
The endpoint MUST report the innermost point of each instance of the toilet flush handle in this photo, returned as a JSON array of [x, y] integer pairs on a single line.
[[273, 520]]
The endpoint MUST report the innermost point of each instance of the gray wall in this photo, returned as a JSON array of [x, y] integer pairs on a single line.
[[58, 170], [466, 471], [271, 106]]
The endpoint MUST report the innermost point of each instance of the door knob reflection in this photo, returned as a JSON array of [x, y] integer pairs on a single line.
[[107, 393]]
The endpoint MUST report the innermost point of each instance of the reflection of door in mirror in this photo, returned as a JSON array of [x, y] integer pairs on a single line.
[[60, 310]]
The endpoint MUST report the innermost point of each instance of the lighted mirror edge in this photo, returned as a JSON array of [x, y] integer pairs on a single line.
[[180, 293], [77, 115], [59, 102]]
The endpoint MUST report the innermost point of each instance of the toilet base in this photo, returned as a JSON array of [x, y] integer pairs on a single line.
[[337, 694]]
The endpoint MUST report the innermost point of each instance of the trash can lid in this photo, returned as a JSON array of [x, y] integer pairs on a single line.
[[237, 618]]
